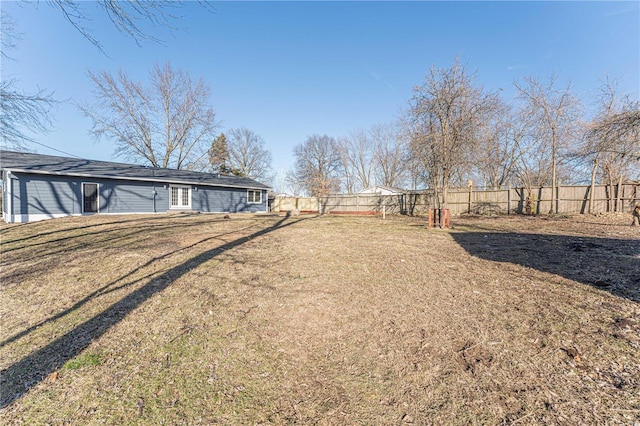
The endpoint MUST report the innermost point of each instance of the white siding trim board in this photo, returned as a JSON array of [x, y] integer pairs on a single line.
[[9, 199]]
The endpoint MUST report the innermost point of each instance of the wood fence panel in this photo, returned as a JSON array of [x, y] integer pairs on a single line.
[[286, 204], [571, 199], [329, 203]]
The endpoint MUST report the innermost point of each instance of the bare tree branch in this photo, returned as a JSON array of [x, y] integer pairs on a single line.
[[553, 116], [390, 155], [21, 111], [127, 17], [168, 124], [32, 111], [317, 164], [248, 156], [501, 146], [356, 154]]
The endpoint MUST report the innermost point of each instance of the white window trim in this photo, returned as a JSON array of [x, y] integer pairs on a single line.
[[254, 190], [9, 200], [97, 197], [180, 206]]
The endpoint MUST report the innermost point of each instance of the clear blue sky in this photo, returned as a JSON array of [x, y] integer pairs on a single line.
[[290, 69]]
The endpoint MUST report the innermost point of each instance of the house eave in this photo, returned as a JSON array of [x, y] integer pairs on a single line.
[[137, 179]]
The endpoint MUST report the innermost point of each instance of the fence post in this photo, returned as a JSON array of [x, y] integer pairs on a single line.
[[509, 199]]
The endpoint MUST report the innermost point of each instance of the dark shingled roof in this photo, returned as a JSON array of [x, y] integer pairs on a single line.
[[65, 166]]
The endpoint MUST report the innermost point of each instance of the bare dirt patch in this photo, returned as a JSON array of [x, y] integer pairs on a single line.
[[320, 320]]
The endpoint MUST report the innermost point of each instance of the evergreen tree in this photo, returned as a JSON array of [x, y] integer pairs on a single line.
[[219, 155]]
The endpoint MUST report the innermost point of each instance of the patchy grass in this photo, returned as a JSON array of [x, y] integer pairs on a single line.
[[84, 360], [320, 320]]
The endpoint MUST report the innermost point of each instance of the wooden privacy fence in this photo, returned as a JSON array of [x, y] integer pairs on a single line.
[[287, 204], [571, 199]]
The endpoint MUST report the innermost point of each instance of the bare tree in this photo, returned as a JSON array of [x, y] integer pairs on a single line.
[[294, 185], [357, 151], [248, 155], [167, 124], [21, 110], [376, 155], [620, 150], [532, 168], [553, 114], [389, 156], [500, 146], [317, 165], [612, 140], [446, 112], [348, 174]]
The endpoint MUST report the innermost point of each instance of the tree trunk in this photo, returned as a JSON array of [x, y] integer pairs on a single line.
[[445, 195], [618, 193], [593, 184], [610, 193], [553, 176]]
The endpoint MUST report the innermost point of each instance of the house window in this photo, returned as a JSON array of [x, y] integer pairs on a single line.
[[180, 197], [254, 197]]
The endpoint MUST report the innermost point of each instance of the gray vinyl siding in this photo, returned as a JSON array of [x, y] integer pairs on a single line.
[[37, 194], [220, 200], [126, 197], [34, 195], [54, 195]]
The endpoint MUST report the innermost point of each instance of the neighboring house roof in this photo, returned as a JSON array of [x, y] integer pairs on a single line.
[[378, 189], [64, 166]]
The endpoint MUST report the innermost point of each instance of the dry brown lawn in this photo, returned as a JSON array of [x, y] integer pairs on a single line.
[[193, 319]]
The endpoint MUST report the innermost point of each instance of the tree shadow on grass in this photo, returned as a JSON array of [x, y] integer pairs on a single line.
[[7, 230], [125, 281], [21, 376], [100, 235], [608, 264]]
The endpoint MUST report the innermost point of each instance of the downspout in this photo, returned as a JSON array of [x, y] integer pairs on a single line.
[[9, 198], [153, 191]]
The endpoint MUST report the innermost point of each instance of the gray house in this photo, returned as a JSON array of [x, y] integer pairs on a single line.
[[36, 187]]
